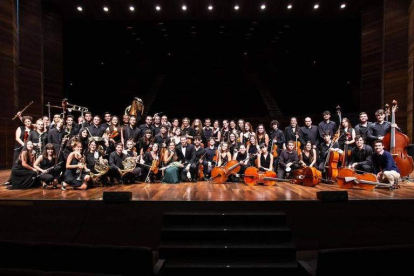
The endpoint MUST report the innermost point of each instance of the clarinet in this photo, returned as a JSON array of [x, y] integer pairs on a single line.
[[48, 170]]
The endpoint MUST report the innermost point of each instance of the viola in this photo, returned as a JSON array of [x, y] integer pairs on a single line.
[[396, 143], [113, 134], [274, 150], [253, 176], [348, 178]]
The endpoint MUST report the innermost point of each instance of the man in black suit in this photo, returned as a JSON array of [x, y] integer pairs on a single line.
[[186, 154]]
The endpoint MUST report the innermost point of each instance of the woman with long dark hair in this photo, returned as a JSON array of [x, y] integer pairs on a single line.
[[24, 175], [46, 161]]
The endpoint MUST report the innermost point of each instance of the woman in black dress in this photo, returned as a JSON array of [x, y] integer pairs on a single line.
[[150, 158], [216, 132], [243, 158], [233, 144], [46, 161], [224, 155], [264, 159], [144, 142], [76, 173], [308, 156], [24, 175]]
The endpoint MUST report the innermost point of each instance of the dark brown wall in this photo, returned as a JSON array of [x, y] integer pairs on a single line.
[[30, 64], [410, 77]]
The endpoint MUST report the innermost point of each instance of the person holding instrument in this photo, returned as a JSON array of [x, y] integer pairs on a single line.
[[47, 160], [76, 173], [384, 165], [361, 156], [292, 131], [186, 154], [23, 174], [171, 173], [264, 159], [308, 156], [200, 154], [152, 162], [261, 135], [208, 162], [377, 130], [288, 160], [115, 167]]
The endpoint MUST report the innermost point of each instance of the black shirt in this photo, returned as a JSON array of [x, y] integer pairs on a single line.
[[116, 160], [34, 137], [324, 127], [309, 134], [211, 152], [290, 135], [280, 137], [131, 133], [287, 157], [96, 130], [199, 152], [323, 150], [361, 156], [144, 128], [208, 133], [362, 130]]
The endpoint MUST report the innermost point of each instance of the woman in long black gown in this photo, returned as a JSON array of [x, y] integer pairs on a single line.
[[46, 161], [24, 175]]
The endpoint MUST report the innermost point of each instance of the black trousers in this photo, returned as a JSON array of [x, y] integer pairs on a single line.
[[114, 173], [365, 168], [50, 176], [183, 172], [281, 172]]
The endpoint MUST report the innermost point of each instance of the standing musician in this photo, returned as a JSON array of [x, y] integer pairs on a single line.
[[88, 119], [115, 166], [309, 132], [56, 118], [241, 156], [23, 174], [261, 135], [162, 138], [95, 130], [292, 131], [233, 128], [22, 135], [216, 132], [38, 137], [47, 160], [199, 153], [277, 138], [157, 124], [152, 159], [72, 126], [384, 165], [247, 133], [361, 129], [208, 162], [147, 125], [171, 174], [76, 173], [145, 142], [46, 122], [326, 125], [224, 155], [288, 160], [136, 108], [175, 126], [164, 121], [225, 131], [347, 135], [324, 148], [264, 159], [377, 130], [187, 130], [176, 138], [198, 130], [308, 156], [240, 125], [207, 130], [186, 154], [55, 136], [361, 156], [113, 132], [108, 118], [125, 120], [130, 131], [233, 144]]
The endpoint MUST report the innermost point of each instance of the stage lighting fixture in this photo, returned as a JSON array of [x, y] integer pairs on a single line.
[[210, 7], [236, 7], [343, 6], [316, 7], [158, 8], [184, 7], [80, 9], [289, 7], [131, 8], [105, 9], [263, 7]]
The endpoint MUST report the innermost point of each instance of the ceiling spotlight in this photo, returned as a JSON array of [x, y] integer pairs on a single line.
[[184, 7], [210, 7], [131, 8], [80, 8], [105, 9], [263, 7], [236, 7], [289, 7], [316, 7], [343, 6], [158, 8]]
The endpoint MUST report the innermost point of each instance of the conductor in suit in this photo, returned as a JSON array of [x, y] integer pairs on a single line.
[[186, 154]]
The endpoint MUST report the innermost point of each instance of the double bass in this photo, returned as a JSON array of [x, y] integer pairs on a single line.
[[396, 143], [333, 157]]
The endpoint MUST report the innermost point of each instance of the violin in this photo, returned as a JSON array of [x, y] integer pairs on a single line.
[[113, 134], [348, 178], [154, 165], [253, 176], [396, 143]]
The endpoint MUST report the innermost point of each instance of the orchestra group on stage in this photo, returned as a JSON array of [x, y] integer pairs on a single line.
[[78, 153]]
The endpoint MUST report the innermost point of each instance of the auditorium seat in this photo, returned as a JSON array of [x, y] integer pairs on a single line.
[[79, 258], [376, 260]]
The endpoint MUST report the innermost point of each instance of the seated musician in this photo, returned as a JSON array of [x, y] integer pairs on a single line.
[[384, 165], [152, 160], [233, 144], [199, 152], [308, 156], [324, 148], [130, 150], [46, 161], [264, 159], [171, 174], [361, 156], [208, 161], [224, 155], [288, 159], [253, 147], [145, 142], [23, 174], [162, 138], [92, 156], [176, 137], [242, 157], [186, 154], [115, 166], [76, 173]]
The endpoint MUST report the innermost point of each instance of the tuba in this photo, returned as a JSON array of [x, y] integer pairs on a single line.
[[129, 165], [102, 167], [135, 108]]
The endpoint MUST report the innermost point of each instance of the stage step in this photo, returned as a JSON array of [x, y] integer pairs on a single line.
[[222, 242]]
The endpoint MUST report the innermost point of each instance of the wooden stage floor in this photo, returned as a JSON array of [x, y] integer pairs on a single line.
[[203, 191]]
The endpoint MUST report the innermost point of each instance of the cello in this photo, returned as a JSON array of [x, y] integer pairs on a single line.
[[396, 143], [333, 157], [348, 178], [253, 176], [220, 175], [309, 176]]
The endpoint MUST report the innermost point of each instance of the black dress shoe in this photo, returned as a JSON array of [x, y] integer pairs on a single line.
[[7, 183]]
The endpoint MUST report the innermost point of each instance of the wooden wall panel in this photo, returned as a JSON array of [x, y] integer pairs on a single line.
[[396, 57], [371, 60], [8, 82]]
